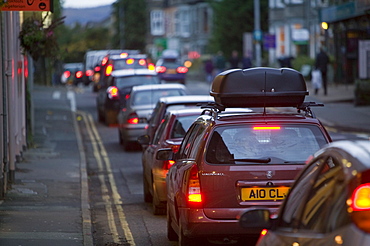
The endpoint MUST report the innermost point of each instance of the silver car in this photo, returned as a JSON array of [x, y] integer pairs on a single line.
[[329, 203], [133, 116]]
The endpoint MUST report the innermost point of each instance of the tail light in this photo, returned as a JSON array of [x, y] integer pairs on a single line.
[[108, 70], [182, 69], [261, 128], [123, 55], [263, 232], [360, 205], [168, 164], [151, 66], [97, 69], [104, 61], [79, 74], [67, 74], [133, 118], [142, 62], [89, 72], [160, 69], [113, 92], [130, 61], [194, 196]]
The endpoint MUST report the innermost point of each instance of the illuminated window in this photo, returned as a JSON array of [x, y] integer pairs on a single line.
[[157, 22]]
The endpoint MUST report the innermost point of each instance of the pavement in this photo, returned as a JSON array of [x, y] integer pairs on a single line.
[[48, 202]]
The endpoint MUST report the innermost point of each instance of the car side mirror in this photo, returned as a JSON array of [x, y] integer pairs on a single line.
[[144, 140], [256, 219], [164, 154]]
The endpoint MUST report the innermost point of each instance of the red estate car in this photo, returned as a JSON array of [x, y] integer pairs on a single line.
[[229, 163]]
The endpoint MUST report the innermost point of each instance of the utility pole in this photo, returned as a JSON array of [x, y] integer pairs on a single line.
[[257, 32]]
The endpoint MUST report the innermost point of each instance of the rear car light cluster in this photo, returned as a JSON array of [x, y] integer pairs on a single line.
[[108, 70], [66, 74], [182, 69], [160, 69], [79, 74], [194, 196], [360, 205], [89, 72], [133, 118], [113, 92]]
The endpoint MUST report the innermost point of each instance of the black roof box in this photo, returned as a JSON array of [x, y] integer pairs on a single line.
[[259, 87]]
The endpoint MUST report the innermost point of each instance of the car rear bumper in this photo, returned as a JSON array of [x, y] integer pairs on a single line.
[[197, 224], [132, 132]]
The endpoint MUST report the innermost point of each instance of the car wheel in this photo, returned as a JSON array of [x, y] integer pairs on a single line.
[[159, 208], [120, 138], [110, 117], [184, 240], [147, 196], [171, 234]]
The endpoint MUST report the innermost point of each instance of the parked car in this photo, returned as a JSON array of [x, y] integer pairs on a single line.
[[113, 95], [134, 115], [72, 73], [112, 62], [169, 103], [169, 135], [232, 162], [170, 69], [329, 203]]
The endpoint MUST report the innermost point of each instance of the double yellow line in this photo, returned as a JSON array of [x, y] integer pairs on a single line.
[[112, 201]]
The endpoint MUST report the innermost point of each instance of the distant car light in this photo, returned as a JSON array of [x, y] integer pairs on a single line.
[[124, 55], [108, 70], [104, 61], [130, 61], [113, 92], [188, 64], [257, 128], [160, 69], [66, 74], [89, 72], [182, 69], [142, 62], [151, 66], [79, 74]]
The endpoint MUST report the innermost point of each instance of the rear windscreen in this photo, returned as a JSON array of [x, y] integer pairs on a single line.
[[152, 96], [136, 80], [253, 144]]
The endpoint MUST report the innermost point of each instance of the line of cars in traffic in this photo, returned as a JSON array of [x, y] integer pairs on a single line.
[[224, 168], [259, 169]]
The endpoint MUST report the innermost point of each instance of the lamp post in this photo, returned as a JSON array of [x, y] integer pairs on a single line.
[[257, 32]]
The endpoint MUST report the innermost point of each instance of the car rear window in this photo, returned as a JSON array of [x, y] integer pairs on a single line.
[[181, 125], [136, 80], [129, 63], [247, 144], [152, 96]]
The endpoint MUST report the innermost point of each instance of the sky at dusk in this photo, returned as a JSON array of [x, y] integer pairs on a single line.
[[86, 3]]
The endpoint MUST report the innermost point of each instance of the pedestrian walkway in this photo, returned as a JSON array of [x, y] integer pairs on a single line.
[[48, 202]]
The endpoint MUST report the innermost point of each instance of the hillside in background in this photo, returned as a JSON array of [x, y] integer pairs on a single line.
[[86, 15]]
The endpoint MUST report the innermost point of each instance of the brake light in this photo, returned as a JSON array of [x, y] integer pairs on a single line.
[[360, 204], [258, 128], [89, 72], [97, 69], [160, 69], [264, 232], [151, 66], [194, 196], [79, 74], [67, 74], [175, 148], [133, 118], [104, 61], [142, 62], [113, 92], [130, 61], [182, 69], [108, 70], [168, 164], [123, 55]]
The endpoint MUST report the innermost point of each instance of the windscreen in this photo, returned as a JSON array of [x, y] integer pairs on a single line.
[[130, 81], [253, 144], [152, 96]]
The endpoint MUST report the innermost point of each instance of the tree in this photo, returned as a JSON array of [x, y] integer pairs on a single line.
[[232, 18], [130, 24]]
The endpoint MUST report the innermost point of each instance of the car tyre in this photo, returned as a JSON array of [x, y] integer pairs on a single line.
[[147, 196], [159, 208], [184, 240], [171, 234], [110, 117]]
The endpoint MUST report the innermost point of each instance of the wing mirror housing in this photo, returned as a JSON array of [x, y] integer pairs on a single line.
[[165, 154]]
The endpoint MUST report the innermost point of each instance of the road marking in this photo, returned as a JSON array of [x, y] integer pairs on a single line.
[[104, 163], [71, 96]]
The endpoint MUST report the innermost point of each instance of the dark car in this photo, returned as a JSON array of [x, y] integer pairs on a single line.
[[134, 115], [169, 135], [232, 162], [72, 73], [114, 62], [169, 103], [170, 69], [329, 203], [114, 93]]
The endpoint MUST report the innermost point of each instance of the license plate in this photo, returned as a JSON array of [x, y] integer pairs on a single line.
[[265, 193], [171, 71]]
